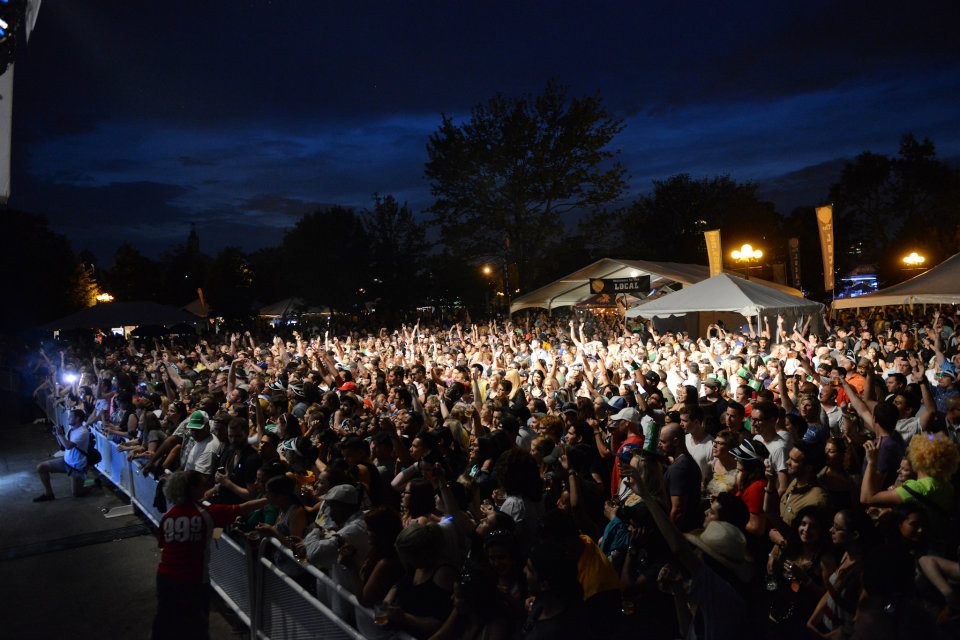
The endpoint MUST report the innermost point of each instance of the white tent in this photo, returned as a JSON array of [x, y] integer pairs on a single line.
[[725, 297], [940, 285], [575, 287], [291, 307]]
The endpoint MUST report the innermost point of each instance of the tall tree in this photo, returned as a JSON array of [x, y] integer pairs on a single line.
[[40, 267], [326, 256], [886, 206], [228, 286], [185, 268], [269, 281], [397, 250], [502, 180], [668, 224], [133, 276]]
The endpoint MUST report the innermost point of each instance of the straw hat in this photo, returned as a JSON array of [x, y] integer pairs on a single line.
[[726, 544]]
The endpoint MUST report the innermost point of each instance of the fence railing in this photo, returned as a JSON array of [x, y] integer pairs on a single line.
[[251, 584], [256, 589]]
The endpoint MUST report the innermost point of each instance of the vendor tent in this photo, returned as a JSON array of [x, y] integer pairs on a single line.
[[198, 308], [729, 298], [575, 287], [121, 314], [940, 285], [291, 307]]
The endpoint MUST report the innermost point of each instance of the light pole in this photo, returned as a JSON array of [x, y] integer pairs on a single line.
[[747, 256], [914, 261], [487, 271]]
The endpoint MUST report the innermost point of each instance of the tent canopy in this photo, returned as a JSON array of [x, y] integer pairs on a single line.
[[197, 308], [290, 307], [940, 285], [121, 314], [726, 293], [575, 287]]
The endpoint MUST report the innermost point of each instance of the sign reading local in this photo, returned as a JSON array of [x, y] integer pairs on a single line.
[[640, 284]]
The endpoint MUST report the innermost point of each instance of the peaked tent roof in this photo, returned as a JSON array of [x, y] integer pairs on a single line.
[[939, 285], [122, 314], [723, 293], [575, 287], [197, 308], [290, 307]]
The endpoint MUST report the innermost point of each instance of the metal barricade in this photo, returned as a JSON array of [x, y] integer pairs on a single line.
[[232, 575], [103, 446], [331, 597], [256, 589], [286, 610], [144, 492]]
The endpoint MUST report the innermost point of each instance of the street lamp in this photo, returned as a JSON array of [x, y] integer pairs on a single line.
[[487, 270], [914, 260], [746, 253], [104, 297]]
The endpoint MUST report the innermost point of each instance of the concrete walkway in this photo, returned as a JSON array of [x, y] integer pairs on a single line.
[[67, 570]]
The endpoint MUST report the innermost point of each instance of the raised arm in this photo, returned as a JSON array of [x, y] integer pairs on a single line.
[[864, 410], [785, 400]]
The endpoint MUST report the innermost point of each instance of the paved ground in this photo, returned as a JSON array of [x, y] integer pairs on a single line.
[[66, 569]]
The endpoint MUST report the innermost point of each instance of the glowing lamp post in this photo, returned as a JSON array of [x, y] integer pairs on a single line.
[[914, 260], [746, 253], [104, 297]]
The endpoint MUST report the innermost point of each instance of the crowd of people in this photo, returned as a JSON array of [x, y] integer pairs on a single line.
[[557, 478]]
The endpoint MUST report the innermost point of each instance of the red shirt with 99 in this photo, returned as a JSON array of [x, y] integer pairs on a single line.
[[185, 534]]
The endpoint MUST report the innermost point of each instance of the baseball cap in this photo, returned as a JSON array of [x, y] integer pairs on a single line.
[[346, 493], [629, 414], [347, 386], [627, 450], [616, 403], [197, 420]]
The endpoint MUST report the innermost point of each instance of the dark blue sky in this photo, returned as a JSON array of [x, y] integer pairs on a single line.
[[134, 119]]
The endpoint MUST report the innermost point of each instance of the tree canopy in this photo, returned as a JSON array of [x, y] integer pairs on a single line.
[[668, 224], [886, 206], [502, 179]]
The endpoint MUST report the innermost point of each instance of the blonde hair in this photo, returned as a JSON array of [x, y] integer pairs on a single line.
[[933, 454]]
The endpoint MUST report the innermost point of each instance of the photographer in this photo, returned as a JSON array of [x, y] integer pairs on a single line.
[[74, 440]]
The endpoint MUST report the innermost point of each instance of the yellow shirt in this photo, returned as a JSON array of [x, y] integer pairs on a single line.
[[594, 571]]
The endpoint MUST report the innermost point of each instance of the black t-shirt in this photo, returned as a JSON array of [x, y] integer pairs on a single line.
[[683, 479], [241, 466]]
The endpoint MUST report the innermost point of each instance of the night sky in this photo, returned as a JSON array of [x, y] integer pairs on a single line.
[[134, 119]]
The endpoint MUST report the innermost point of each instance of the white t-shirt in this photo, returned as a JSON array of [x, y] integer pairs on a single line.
[[778, 452], [834, 417], [201, 456], [76, 457], [908, 427], [701, 453]]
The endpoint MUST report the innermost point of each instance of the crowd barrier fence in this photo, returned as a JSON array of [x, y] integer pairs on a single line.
[[252, 585]]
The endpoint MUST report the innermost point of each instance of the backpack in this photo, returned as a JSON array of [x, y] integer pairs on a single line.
[[92, 454]]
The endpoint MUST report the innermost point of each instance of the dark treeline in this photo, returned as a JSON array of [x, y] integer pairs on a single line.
[[503, 183]]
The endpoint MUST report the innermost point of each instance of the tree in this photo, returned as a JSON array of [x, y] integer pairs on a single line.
[[669, 223], [270, 283], [133, 276], [83, 287], [502, 180], [40, 267], [184, 267], [887, 206], [326, 256], [397, 250], [229, 284]]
